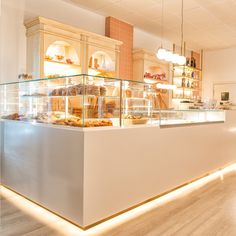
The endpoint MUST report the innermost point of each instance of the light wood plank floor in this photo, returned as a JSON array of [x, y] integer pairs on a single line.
[[208, 211]]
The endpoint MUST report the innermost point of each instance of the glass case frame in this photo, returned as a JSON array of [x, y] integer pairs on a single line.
[[93, 101]]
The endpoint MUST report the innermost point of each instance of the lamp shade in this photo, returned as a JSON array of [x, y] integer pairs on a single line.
[[182, 60], [161, 53]]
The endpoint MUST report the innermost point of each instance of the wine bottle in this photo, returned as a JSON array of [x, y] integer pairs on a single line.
[[187, 61], [192, 74], [188, 84], [183, 83]]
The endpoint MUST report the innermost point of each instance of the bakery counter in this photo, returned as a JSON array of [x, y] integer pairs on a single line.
[[79, 173]]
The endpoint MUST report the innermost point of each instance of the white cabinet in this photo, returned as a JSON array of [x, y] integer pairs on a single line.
[[56, 49]]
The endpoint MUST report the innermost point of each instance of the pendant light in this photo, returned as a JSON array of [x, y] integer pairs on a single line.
[[167, 55], [161, 53]]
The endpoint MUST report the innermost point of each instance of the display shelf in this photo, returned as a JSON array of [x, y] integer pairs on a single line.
[[100, 72], [63, 63], [187, 68], [147, 68], [102, 62], [49, 40], [191, 89], [187, 92], [187, 77]]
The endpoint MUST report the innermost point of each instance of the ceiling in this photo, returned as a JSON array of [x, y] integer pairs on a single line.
[[208, 24]]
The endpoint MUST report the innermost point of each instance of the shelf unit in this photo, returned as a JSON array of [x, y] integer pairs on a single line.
[[145, 62], [188, 79], [55, 49]]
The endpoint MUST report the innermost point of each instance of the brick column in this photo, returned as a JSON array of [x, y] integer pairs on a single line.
[[122, 31]]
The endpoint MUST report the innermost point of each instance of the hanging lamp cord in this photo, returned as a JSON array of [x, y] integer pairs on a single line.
[[162, 22], [182, 26]]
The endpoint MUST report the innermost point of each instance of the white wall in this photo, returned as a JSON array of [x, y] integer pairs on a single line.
[[149, 41], [218, 66]]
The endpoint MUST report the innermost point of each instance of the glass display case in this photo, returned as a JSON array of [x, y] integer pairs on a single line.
[[137, 103], [179, 117], [93, 101], [80, 101]]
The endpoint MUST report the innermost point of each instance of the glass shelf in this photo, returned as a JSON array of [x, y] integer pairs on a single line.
[[187, 77], [191, 89], [187, 68]]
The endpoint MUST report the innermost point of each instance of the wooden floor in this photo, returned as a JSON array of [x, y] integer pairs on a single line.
[[208, 211]]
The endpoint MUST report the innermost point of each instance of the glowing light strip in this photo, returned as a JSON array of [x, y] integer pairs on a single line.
[[67, 228]]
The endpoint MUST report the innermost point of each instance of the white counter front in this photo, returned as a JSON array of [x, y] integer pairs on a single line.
[[88, 175]]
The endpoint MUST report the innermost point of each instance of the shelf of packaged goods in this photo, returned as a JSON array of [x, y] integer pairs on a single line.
[[190, 68], [62, 63], [187, 77]]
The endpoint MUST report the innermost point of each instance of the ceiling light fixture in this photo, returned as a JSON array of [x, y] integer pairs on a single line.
[[167, 55]]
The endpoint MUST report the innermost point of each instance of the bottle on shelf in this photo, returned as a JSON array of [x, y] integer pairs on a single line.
[[192, 74], [192, 85], [194, 62], [188, 84], [187, 61], [103, 62]]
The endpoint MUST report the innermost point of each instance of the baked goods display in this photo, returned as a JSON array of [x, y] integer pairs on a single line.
[[134, 120], [60, 59], [48, 58], [47, 118], [14, 116], [60, 102], [35, 95], [77, 122], [80, 89], [128, 93], [109, 74], [24, 76], [56, 119]]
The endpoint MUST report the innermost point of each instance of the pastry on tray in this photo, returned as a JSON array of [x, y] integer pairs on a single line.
[[134, 120], [59, 57]]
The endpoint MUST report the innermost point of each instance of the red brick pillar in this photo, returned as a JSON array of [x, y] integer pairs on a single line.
[[122, 31]]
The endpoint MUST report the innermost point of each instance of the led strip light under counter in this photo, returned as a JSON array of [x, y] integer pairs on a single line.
[[65, 227]]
